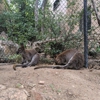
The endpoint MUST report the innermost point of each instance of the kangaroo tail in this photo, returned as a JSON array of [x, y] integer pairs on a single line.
[[49, 66], [16, 65]]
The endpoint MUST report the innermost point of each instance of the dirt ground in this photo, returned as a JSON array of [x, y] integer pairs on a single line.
[[54, 84]]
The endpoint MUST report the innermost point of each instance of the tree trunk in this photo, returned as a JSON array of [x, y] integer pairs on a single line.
[[36, 13], [97, 16], [44, 4], [43, 11]]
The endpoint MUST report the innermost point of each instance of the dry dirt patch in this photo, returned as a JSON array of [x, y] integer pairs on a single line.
[[57, 84]]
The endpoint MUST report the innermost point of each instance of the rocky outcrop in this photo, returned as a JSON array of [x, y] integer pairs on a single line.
[[18, 94], [7, 47], [12, 93]]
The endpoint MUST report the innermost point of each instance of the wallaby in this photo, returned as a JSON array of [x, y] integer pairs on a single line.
[[69, 59], [30, 57]]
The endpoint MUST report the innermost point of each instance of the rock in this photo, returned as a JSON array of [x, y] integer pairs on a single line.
[[2, 87], [56, 73], [26, 93], [41, 82], [20, 86], [13, 94], [8, 46], [35, 95], [3, 35], [31, 85]]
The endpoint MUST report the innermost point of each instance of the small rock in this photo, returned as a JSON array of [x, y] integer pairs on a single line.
[[19, 86], [56, 73], [31, 85], [41, 82], [73, 86], [26, 93], [2, 87], [22, 86]]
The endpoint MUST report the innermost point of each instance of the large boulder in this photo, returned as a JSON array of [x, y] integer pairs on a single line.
[[8, 46]]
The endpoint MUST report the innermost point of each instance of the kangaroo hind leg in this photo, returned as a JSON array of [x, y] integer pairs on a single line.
[[34, 60]]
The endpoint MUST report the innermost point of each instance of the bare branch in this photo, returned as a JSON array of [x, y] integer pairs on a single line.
[[98, 17]]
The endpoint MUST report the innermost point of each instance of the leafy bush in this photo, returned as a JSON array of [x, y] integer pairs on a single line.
[[98, 49], [19, 20], [53, 48], [15, 58], [20, 24]]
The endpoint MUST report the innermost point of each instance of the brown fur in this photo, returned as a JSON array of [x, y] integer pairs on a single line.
[[76, 62], [64, 57], [30, 57], [71, 58]]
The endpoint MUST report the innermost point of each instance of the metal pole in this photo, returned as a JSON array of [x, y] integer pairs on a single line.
[[85, 35]]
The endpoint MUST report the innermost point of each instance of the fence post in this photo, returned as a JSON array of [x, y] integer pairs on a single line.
[[85, 35]]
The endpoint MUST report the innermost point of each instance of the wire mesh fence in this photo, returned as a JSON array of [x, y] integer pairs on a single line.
[[59, 24], [73, 20]]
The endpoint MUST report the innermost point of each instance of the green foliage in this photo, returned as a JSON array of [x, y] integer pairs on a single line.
[[98, 49], [48, 24], [53, 48], [15, 58], [21, 25], [46, 61], [54, 26], [0, 1], [1, 38], [19, 21]]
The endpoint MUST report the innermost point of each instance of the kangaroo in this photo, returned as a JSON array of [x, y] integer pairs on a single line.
[[30, 57], [69, 59]]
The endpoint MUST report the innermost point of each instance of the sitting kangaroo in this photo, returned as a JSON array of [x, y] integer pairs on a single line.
[[69, 59], [30, 57]]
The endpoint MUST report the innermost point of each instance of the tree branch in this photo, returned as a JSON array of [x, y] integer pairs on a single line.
[[94, 7]]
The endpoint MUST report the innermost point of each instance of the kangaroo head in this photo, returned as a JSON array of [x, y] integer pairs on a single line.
[[21, 49]]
